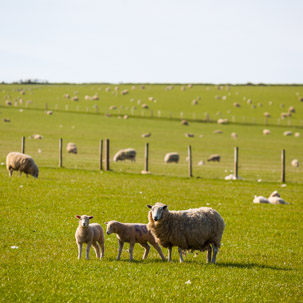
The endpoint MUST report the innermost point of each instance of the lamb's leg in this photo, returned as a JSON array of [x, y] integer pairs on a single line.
[[79, 250], [102, 248], [209, 254], [158, 249], [121, 244], [169, 253], [20, 172], [87, 250], [131, 249], [10, 172], [97, 250], [215, 251], [146, 251], [180, 250]]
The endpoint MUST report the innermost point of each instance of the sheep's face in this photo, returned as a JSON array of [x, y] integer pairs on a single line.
[[157, 211], [84, 220], [110, 227]]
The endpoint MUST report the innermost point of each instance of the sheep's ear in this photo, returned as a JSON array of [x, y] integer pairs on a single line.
[[149, 206], [165, 206], [90, 217], [78, 217], [105, 223]]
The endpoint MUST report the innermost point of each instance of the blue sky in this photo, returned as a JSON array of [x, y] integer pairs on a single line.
[[155, 41]]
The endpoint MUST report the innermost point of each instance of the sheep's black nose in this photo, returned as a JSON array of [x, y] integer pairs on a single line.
[[107, 232]]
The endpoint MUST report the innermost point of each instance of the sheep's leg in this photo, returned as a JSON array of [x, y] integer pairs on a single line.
[[158, 249], [87, 250], [180, 250], [146, 251], [10, 172], [169, 253], [209, 254], [121, 244], [215, 251], [79, 250], [131, 249], [20, 172], [102, 248], [97, 250]]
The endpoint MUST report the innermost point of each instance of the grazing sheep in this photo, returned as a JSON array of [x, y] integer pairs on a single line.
[[75, 98], [200, 163], [66, 96], [144, 106], [291, 109], [234, 136], [184, 122], [287, 133], [91, 234], [6, 120], [275, 198], [124, 92], [295, 163], [125, 154], [195, 102], [113, 107], [260, 199], [218, 131], [171, 157], [249, 101], [297, 135], [236, 104], [36, 137], [267, 115], [266, 132], [71, 148], [49, 112], [22, 163], [192, 229], [189, 135], [222, 121], [285, 115], [125, 117], [214, 158], [8, 103], [133, 233], [146, 135]]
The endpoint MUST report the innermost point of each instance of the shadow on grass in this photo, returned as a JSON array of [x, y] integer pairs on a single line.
[[251, 266]]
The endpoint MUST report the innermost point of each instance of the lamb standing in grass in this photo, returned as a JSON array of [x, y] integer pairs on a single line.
[[91, 234], [194, 229], [133, 233], [22, 163]]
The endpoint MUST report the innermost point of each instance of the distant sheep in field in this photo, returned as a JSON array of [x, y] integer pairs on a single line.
[[249, 101], [91, 234], [66, 96], [107, 89], [267, 115], [195, 102], [144, 106], [8, 103], [36, 137], [125, 154], [214, 158], [125, 117], [113, 107], [297, 135], [189, 135], [291, 109], [95, 97], [295, 163], [171, 157], [49, 112], [201, 163], [75, 98], [146, 135], [71, 148], [192, 229], [285, 115], [260, 199], [124, 92], [236, 104], [184, 122], [218, 131], [133, 233], [266, 132], [275, 198], [6, 120], [287, 133], [234, 136], [22, 163], [222, 121]]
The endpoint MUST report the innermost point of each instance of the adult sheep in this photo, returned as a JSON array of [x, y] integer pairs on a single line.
[[71, 148], [22, 163], [195, 229], [125, 154], [171, 157]]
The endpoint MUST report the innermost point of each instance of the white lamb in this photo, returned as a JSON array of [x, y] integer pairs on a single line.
[[22, 163], [275, 198], [133, 233], [260, 199], [91, 234]]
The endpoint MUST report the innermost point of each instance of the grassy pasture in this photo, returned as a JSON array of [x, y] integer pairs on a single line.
[[261, 256]]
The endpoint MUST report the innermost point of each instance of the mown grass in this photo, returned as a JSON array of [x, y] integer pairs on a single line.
[[260, 259]]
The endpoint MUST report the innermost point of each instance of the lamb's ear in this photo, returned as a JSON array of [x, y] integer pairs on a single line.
[[165, 206], [90, 217], [149, 206], [78, 217]]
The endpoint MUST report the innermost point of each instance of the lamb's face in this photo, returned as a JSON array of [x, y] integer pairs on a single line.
[[84, 220], [157, 211], [110, 227]]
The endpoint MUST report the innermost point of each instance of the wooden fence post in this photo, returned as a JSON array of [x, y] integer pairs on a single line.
[[60, 152], [283, 166], [236, 162], [190, 166], [101, 154], [106, 154], [146, 157], [23, 145]]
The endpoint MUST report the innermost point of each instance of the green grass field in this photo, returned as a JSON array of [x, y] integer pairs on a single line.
[[261, 255]]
